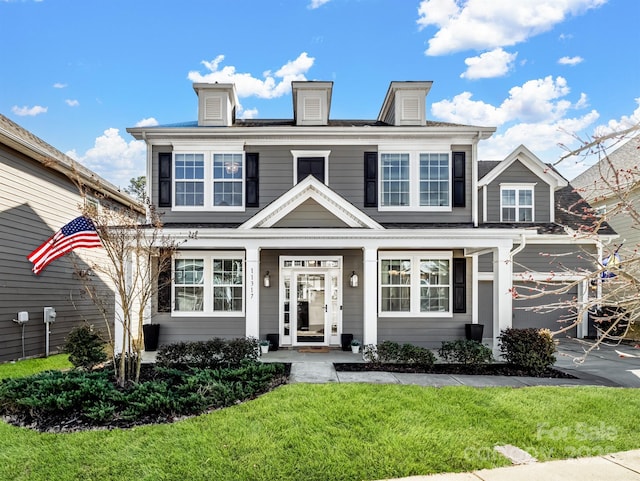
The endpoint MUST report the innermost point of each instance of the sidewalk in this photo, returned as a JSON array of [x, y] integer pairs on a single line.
[[623, 466]]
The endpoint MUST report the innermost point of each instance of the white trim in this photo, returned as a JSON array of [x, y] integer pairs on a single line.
[[532, 162], [370, 295], [475, 306], [207, 256], [415, 257], [310, 188], [252, 282], [414, 179], [517, 187], [310, 153]]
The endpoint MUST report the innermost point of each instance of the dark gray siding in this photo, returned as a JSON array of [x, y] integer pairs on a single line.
[[557, 258], [485, 307], [34, 203], [518, 173], [525, 315], [346, 177], [485, 262]]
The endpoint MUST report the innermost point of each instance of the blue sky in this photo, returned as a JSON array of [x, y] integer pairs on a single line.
[[77, 73]]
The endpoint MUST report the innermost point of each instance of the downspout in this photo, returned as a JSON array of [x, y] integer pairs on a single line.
[[474, 181], [517, 250]]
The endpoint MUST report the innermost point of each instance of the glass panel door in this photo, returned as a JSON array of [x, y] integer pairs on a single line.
[[311, 309]]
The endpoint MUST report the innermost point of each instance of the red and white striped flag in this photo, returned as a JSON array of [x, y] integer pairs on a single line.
[[80, 232]]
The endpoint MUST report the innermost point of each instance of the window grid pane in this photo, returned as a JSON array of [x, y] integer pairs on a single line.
[[189, 170], [396, 285], [517, 205], [434, 179], [227, 177], [434, 285], [395, 180], [189, 280], [227, 285]]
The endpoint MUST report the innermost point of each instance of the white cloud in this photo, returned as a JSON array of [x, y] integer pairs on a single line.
[[29, 111], [495, 63], [317, 3], [148, 122], [623, 123], [570, 60], [72, 103], [536, 114], [59, 85], [272, 85], [113, 158], [489, 24], [249, 114]]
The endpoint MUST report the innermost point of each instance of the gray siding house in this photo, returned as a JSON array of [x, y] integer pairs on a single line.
[[310, 228], [38, 195]]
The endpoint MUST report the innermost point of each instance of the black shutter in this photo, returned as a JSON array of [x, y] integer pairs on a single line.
[[371, 179], [252, 180], [458, 179], [164, 179], [164, 285], [460, 285]]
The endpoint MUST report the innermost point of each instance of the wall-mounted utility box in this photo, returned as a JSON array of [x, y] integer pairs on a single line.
[[49, 314]]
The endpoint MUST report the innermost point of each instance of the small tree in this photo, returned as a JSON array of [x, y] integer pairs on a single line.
[[138, 253]]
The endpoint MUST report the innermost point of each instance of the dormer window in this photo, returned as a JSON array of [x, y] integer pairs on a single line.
[[516, 203]]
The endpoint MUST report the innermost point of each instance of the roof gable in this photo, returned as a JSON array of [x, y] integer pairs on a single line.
[[345, 214], [546, 173]]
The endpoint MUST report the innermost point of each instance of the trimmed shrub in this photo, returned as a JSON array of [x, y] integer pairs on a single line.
[[531, 349], [392, 352], [465, 351], [85, 347], [215, 353]]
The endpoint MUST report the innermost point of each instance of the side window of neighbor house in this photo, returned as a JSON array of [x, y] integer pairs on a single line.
[[516, 204], [189, 180]]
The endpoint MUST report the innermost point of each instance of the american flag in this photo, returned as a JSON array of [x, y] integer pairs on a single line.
[[80, 232]]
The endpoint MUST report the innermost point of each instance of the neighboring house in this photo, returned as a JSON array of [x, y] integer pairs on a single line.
[[614, 179], [385, 229], [38, 195]]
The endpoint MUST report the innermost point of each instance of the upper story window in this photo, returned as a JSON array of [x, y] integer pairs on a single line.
[[516, 203], [415, 284], [310, 162], [208, 284], [209, 181], [415, 180]]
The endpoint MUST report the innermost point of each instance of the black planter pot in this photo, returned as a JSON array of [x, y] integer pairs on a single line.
[[274, 341], [473, 332], [345, 340], [151, 335]]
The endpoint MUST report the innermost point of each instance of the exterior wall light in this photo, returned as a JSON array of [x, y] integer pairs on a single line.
[[353, 280], [266, 280]]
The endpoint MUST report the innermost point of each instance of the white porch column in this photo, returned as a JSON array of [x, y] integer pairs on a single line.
[[252, 306], [502, 295], [582, 329], [370, 288], [474, 289]]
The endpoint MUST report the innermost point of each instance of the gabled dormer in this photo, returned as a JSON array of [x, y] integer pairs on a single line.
[[404, 104], [311, 102], [216, 104], [519, 189]]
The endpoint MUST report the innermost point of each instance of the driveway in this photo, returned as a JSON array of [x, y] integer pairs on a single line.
[[619, 363]]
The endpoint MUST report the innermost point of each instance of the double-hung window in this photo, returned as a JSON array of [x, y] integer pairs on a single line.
[[208, 284], [415, 180], [415, 284], [209, 180], [189, 180], [516, 203]]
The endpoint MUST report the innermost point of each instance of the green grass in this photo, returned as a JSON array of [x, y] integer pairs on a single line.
[[32, 366], [338, 432]]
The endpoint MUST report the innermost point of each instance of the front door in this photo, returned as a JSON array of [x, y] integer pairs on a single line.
[[311, 309], [311, 301]]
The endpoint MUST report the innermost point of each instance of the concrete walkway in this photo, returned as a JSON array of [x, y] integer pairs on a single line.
[[623, 466]]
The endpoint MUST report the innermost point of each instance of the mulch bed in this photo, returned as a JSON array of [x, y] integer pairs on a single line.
[[496, 369]]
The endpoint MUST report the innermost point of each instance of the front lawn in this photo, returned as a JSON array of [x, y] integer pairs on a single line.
[[31, 366], [338, 432]]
